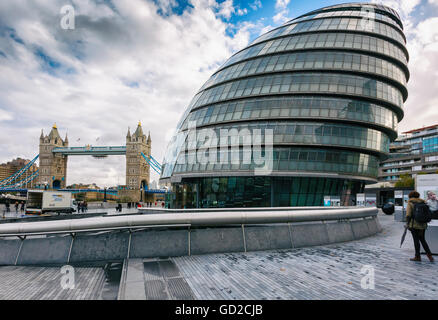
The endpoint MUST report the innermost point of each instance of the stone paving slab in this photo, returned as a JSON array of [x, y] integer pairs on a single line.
[[44, 283], [321, 272]]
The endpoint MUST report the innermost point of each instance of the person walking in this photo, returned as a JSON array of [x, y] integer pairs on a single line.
[[418, 229], [16, 206], [22, 207]]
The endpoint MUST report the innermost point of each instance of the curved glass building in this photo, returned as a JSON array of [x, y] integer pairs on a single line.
[[328, 87]]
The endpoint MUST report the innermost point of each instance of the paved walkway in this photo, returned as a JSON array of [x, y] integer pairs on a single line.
[[41, 283], [324, 272]]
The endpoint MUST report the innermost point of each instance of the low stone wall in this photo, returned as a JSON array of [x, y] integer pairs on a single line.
[[180, 241]]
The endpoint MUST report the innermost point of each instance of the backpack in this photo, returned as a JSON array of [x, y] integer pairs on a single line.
[[421, 213]]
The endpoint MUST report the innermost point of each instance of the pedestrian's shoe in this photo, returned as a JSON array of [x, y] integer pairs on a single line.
[[417, 258], [431, 259]]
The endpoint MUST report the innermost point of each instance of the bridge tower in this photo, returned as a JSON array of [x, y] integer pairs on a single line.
[[137, 169], [53, 166]]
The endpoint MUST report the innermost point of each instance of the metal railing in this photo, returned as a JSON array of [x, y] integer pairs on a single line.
[[209, 218]]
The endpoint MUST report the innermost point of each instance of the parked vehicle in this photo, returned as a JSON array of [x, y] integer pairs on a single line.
[[42, 201]]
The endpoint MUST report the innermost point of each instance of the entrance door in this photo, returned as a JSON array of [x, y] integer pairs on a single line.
[[56, 184]]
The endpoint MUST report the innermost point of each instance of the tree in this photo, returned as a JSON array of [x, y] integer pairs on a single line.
[[80, 196], [405, 181], [124, 199]]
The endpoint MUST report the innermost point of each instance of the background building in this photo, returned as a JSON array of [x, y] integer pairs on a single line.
[[330, 83], [413, 152], [11, 167]]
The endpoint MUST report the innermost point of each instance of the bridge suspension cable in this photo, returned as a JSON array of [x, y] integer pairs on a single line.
[[153, 163], [13, 177], [22, 182]]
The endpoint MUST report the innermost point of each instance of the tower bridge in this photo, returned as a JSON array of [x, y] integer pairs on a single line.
[[53, 156], [54, 153]]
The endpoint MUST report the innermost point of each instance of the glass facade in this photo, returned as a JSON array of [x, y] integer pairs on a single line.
[[340, 84], [351, 13], [232, 192], [298, 133], [316, 60], [286, 160], [430, 144], [319, 99], [335, 23], [326, 40], [293, 107]]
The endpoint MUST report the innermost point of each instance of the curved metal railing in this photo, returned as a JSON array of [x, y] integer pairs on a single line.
[[138, 221]]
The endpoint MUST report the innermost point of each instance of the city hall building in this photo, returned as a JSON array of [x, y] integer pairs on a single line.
[[328, 87]]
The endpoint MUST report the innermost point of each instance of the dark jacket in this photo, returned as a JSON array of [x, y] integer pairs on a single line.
[[412, 224]]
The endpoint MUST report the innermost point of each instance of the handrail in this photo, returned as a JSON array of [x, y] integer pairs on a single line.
[[177, 219]]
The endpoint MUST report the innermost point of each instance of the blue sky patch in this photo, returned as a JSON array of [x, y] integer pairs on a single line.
[[177, 9]]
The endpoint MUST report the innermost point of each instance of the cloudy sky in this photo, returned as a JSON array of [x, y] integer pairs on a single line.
[[140, 60]]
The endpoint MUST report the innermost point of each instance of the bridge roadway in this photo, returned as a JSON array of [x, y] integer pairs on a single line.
[[91, 150], [321, 272]]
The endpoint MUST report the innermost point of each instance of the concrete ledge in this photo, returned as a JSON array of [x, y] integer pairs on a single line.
[[9, 251], [432, 236], [379, 226], [360, 229], [267, 237], [167, 243], [373, 225], [309, 234], [107, 246], [45, 251], [216, 240], [339, 231]]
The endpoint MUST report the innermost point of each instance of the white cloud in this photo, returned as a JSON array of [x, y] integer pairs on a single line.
[[422, 44], [121, 64], [241, 12], [255, 5], [226, 9], [282, 11], [5, 115], [281, 4]]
